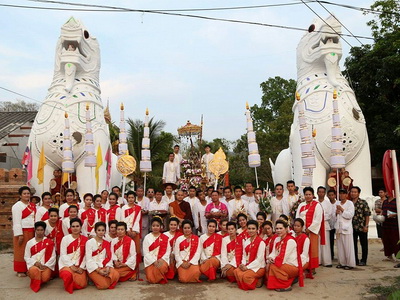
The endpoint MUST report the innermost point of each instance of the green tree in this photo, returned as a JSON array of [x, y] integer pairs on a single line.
[[374, 73]]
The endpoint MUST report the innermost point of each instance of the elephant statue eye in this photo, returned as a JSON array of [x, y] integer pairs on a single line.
[[86, 34], [311, 28]]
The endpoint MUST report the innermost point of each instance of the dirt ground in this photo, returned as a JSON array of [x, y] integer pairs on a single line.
[[329, 283]]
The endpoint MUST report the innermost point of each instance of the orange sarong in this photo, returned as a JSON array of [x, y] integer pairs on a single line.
[[230, 274], [192, 274], [72, 280], [209, 268], [314, 250], [38, 277], [157, 275], [105, 282], [248, 279], [281, 277], [126, 273], [19, 250]]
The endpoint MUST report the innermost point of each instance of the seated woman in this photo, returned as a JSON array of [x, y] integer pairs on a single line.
[[156, 252], [66, 222], [242, 222], [124, 250], [303, 243], [187, 251], [250, 272], [210, 256], [40, 257], [285, 263], [72, 262], [231, 253], [269, 238], [99, 260], [261, 218], [172, 235]]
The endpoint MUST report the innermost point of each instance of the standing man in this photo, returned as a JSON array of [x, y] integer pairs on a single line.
[[292, 197], [254, 207], [378, 211], [279, 203], [150, 194], [177, 158], [325, 257], [390, 229], [206, 158], [228, 194], [249, 192], [169, 195], [170, 171], [121, 199], [144, 203], [360, 225], [238, 205], [332, 221]]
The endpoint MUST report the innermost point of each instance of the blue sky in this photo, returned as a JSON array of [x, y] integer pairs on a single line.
[[178, 67]]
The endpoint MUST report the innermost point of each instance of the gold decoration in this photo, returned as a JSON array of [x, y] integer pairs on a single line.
[[66, 115], [332, 182], [189, 129], [53, 184], [347, 181], [334, 94], [218, 165], [87, 105], [314, 133], [297, 96], [73, 185], [126, 164], [147, 111], [122, 106], [247, 105]]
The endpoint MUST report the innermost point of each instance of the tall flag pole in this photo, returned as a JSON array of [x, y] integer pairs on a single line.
[[123, 145], [306, 145], [145, 162], [90, 158], [67, 165], [254, 158], [337, 160]]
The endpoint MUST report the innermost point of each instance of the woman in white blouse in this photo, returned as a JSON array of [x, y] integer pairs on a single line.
[[99, 259]]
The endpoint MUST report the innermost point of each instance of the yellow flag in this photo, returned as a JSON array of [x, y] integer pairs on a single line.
[[99, 162], [64, 178], [42, 163]]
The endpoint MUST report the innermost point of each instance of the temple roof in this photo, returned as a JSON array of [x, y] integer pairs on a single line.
[[10, 121]]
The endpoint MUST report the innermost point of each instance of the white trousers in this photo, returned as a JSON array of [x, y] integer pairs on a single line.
[[345, 249], [324, 256]]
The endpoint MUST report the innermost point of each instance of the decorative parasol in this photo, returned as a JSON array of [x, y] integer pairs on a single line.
[[218, 165]]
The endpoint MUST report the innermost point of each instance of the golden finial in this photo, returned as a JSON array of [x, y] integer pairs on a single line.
[[87, 105], [147, 111], [122, 106], [247, 105], [314, 133], [334, 94], [66, 115], [297, 96]]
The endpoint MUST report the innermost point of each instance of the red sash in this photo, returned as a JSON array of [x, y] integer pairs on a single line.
[[112, 211], [125, 243], [173, 239], [237, 246], [81, 243], [106, 245], [162, 242], [45, 216], [281, 248], [270, 242], [46, 244], [300, 246], [244, 235], [310, 216], [252, 249], [215, 239], [56, 235], [136, 209], [193, 244], [66, 212], [31, 207]]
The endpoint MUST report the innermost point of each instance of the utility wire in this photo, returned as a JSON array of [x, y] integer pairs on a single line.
[[188, 15], [319, 2]]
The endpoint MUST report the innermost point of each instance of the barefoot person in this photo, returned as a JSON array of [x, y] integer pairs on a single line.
[[250, 272], [285, 262], [23, 218], [187, 251], [124, 250], [99, 262], [72, 263], [231, 253], [172, 235], [210, 258], [156, 252], [40, 257]]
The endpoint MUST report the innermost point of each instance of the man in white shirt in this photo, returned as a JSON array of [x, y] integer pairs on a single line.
[[208, 194], [249, 192], [150, 194], [177, 157], [325, 250], [121, 200], [228, 194], [143, 202], [332, 221], [169, 195], [279, 204], [170, 171], [238, 205], [291, 197], [254, 207], [206, 158], [159, 207], [191, 198]]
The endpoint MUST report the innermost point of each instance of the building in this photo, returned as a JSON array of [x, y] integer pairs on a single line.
[[15, 128]]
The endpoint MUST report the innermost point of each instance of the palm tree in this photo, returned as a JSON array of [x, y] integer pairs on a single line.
[[161, 144]]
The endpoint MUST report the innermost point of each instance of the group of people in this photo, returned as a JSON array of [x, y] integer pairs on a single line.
[[192, 235]]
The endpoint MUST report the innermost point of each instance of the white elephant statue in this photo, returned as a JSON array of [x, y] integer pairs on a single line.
[[318, 75], [75, 84]]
